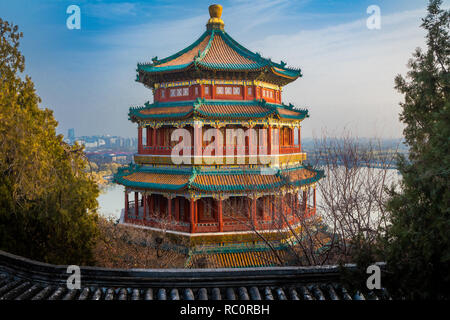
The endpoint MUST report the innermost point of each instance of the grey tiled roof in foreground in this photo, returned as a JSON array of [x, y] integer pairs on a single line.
[[24, 279]]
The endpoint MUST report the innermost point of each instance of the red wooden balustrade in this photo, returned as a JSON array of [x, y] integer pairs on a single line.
[[220, 224]]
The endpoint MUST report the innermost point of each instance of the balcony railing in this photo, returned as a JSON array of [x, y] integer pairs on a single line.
[[226, 150], [229, 225]]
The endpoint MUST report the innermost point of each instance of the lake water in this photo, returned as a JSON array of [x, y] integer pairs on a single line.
[[111, 201]]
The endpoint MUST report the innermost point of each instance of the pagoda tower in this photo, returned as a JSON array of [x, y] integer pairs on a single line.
[[219, 155]]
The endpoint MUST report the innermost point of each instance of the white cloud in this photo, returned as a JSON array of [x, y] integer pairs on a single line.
[[110, 10]]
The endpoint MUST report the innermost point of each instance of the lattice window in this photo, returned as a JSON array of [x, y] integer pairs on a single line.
[[249, 91], [185, 91], [157, 205], [173, 92], [236, 90], [239, 206], [207, 208], [163, 93], [179, 92], [207, 90], [220, 90]]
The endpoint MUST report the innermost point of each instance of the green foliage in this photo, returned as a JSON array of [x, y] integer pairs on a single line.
[[47, 201], [417, 243]]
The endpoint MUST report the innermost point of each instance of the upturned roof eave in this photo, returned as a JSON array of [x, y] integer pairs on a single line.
[[281, 174]]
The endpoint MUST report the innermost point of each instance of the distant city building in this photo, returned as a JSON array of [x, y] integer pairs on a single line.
[[112, 142], [108, 157], [105, 148], [71, 134]]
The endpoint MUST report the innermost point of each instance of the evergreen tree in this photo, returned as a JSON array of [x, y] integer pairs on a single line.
[[47, 201], [417, 247]]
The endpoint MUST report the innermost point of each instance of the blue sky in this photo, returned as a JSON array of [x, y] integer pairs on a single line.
[[87, 76]]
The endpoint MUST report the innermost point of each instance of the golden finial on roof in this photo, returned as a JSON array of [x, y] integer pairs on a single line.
[[215, 22]]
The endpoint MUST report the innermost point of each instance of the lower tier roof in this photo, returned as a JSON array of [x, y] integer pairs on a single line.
[[181, 180], [244, 259]]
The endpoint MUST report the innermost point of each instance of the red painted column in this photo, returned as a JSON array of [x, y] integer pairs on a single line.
[[220, 211], [299, 139], [126, 207], [196, 213], [292, 136], [192, 215], [314, 198], [136, 204], [245, 92], [139, 139]]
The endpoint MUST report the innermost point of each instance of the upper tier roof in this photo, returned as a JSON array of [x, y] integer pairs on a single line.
[[216, 51]]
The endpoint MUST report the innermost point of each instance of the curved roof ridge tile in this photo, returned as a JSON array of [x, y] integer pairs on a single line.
[[207, 48], [244, 51], [179, 53]]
